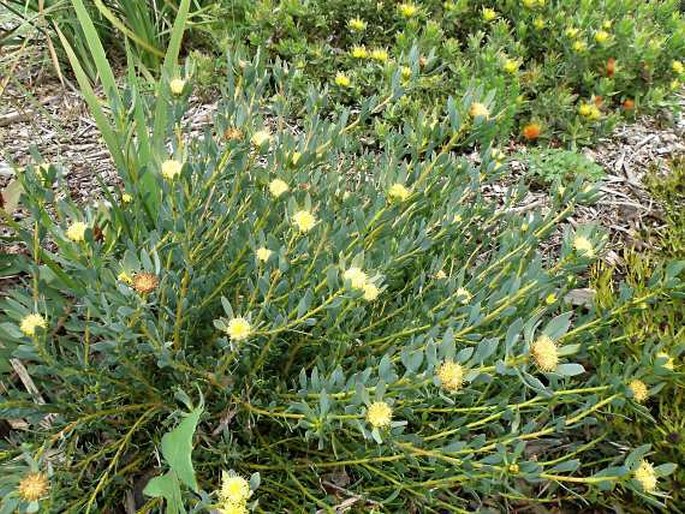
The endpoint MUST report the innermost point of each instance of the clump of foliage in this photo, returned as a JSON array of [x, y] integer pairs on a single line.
[[653, 338], [555, 165], [563, 70], [343, 326]]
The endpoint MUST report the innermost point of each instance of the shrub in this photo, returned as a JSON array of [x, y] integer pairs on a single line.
[[552, 165], [357, 327], [572, 67]]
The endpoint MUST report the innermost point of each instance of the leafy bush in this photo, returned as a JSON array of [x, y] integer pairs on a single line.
[[573, 68], [359, 328]]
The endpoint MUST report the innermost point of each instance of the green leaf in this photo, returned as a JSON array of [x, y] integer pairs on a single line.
[[570, 370], [167, 487], [177, 447]]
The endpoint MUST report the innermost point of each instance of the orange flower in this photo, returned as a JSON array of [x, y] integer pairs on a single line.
[[628, 104], [599, 101], [532, 131], [611, 67], [145, 283]]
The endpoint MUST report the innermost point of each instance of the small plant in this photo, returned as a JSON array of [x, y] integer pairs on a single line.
[[365, 328], [553, 165]]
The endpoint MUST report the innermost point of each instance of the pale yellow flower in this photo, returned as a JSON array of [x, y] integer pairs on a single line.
[[176, 86], [171, 169], [511, 66], [239, 329], [464, 294], [33, 487], [277, 187], [539, 23], [125, 278], [371, 291], [646, 476], [545, 353], [342, 80], [678, 67], [451, 376], [583, 246], [572, 32], [379, 414], [295, 158], [234, 489], [602, 36], [479, 110], [379, 54], [550, 299], [408, 10], [126, 198], [359, 52], [31, 322], [405, 72], [489, 14], [670, 363], [77, 231], [261, 138], [304, 220], [398, 192], [639, 390], [356, 24], [356, 277], [233, 508], [579, 46], [263, 254]]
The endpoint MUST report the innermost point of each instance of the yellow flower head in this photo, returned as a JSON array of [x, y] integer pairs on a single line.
[[405, 72], [464, 294], [602, 36], [342, 80], [408, 10], [356, 24], [550, 299], [670, 363], [584, 110], [379, 414], [371, 291], [583, 246], [489, 14], [77, 231], [234, 489], [539, 23], [529, 3], [511, 66], [545, 353], [126, 198], [33, 487], [263, 254], [440, 275], [277, 187], [479, 110], [295, 158], [304, 221], [678, 67], [176, 86], [398, 193], [171, 169], [356, 277], [359, 52], [579, 46], [607, 24], [639, 390], [239, 329], [451, 375], [646, 476], [31, 322], [145, 283], [261, 138], [572, 32], [379, 54]]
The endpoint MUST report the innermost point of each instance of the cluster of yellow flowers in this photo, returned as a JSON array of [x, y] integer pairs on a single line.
[[590, 111], [398, 193], [645, 475], [77, 231], [360, 281], [33, 487], [31, 323], [171, 169], [239, 329], [234, 493], [583, 246]]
